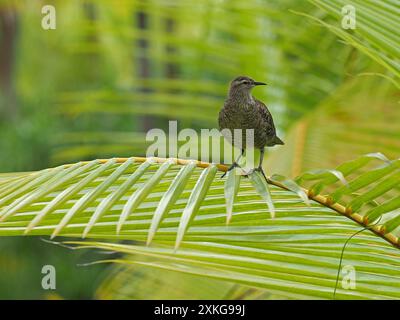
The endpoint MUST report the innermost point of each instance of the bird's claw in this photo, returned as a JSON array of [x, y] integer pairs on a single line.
[[245, 174], [251, 171], [233, 166]]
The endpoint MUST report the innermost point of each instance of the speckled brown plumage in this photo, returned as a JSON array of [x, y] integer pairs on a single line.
[[242, 111]]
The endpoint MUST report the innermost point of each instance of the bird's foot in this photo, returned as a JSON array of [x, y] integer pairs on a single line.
[[233, 166], [259, 169], [250, 172]]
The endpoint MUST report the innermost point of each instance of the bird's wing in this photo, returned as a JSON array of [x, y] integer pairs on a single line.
[[267, 118]]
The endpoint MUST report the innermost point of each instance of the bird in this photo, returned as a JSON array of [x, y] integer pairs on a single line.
[[241, 110]]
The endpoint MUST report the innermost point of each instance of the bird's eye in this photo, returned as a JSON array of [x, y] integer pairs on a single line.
[[246, 82]]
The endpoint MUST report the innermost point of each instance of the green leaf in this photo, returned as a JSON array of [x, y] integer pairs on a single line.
[[113, 197], [67, 194], [371, 35], [393, 223], [232, 185], [260, 184], [55, 181], [25, 184], [169, 198], [364, 180], [293, 272], [385, 207], [292, 186], [321, 174], [385, 185], [349, 167], [139, 195], [193, 204]]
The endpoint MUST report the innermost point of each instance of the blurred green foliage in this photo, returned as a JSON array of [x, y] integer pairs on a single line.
[[21, 263]]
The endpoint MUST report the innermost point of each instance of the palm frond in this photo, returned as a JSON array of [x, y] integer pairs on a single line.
[[294, 269], [101, 185], [377, 30], [295, 254], [135, 282]]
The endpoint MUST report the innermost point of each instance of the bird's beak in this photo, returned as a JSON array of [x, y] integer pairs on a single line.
[[256, 83]]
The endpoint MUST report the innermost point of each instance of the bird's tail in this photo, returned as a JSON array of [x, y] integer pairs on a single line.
[[278, 141]]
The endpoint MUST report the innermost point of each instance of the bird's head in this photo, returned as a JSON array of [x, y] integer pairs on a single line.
[[244, 84]]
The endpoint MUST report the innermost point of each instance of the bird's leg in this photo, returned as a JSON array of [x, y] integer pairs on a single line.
[[234, 164], [259, 168], [262, 150]]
